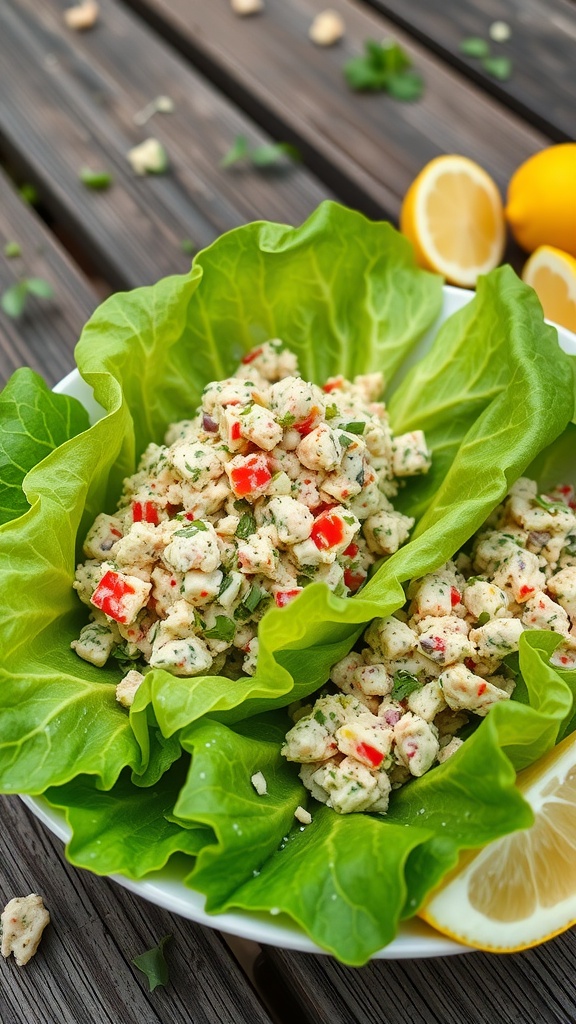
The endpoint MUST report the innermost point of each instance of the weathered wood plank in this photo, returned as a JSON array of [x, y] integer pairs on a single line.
[[83, 970], [367, 147], [74, 107], [542, 48], [535, 986], [45, 335]]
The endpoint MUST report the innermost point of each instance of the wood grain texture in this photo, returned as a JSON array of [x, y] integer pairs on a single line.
[[542, 48], [45, 335], [535, 987], [74, 107], [368, 148], [82, 973]]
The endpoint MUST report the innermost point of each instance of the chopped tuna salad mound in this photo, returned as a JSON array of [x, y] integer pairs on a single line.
[[406, 695], [273, 484]]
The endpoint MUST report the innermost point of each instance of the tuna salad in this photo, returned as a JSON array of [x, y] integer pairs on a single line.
[[274, 483], [403, 699]]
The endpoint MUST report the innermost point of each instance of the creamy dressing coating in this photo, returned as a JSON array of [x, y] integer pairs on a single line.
[[424, 670], [272, 484]]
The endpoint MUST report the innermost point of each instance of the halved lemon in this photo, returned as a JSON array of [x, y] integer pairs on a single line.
[[518, 891], [454, 217], [552, 274]]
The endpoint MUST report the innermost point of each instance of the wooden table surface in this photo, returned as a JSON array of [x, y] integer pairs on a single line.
[[68, 100]]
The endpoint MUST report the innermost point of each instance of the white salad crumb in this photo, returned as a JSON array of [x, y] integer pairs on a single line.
[[127, 687], [273, 483], [259, 783], [82, 16], [150, 157], [421, 672], [245, 7], [23, 921], [327, 28], [303, 816]]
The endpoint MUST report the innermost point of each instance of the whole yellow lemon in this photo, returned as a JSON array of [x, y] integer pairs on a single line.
[[541, 206]]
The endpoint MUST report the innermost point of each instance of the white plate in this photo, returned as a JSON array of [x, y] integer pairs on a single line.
[[166, 888]]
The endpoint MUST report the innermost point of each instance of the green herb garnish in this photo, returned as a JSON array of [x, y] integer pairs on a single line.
[[498, 67], [15, 298], [386, 68], [246, 527], [153, 964], [121, 655], [267, 155], [404, 684], [287, 420], [196, 527], [223, 629], [483, 618], [474, 46], [356, 427], [551, 506], [12, 250], [97, 180]]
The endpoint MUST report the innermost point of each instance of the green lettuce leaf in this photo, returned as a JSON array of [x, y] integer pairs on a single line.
[[33, 422], [126, 830]]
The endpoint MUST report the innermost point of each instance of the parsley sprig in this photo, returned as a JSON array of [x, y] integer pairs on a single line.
[[385, 67]]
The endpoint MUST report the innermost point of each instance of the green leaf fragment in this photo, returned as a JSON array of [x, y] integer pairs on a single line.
[[153, 964], [384, 67], [474, 46], [498, 67], [12, 250], [29, 193], [37, 286], [264, 155], [237, 151], [97, 180], [13, 300], [273, 154]]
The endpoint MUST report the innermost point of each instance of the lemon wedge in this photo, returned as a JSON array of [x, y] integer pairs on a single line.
[[454, 217], [552, 274], [518, 891]]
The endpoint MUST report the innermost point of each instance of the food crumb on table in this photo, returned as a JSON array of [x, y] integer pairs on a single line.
[[82, 16], [23, 921], [259, 783], [303, 816]]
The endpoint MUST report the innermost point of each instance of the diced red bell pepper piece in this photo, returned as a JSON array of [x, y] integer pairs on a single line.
[[109, 594], [482, 689], [327, 531], [305, 426], [251, 356], [333, 385], [250, 478], [235, 432], [351, 550], [455, 596], [284, 597], [354, 580], [145, 511], [366, 752], [525, 592]]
